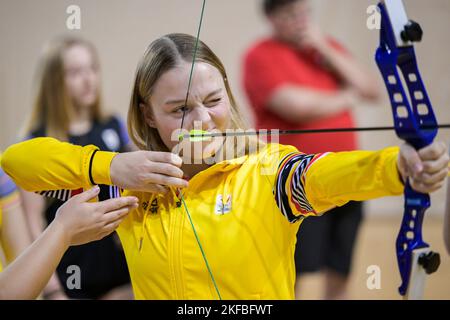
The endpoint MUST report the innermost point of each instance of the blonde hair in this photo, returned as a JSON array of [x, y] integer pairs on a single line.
[[161, 56], [53, 107]]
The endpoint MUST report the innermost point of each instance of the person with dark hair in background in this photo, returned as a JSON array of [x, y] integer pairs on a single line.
[[68, 106], [299, 78]]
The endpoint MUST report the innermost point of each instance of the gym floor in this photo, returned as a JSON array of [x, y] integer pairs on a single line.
[[375, 246]]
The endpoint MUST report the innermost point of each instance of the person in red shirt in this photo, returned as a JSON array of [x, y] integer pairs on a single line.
[[298, 78]]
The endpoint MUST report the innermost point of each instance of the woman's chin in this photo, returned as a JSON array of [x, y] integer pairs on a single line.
[[200, 152], [208, 158]]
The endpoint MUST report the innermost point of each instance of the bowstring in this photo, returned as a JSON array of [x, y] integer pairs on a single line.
[[181, 137]]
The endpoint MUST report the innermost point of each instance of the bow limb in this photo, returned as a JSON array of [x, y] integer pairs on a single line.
[[396, 57]]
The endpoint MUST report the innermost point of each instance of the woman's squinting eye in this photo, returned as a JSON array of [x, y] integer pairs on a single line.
[[180, 109], [213, 102]]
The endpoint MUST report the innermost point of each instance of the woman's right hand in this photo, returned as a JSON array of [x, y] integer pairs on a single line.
[[81, 221], [147, 171]]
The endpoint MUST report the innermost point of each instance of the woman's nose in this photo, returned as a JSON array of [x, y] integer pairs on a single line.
[[202, 114], [201, 118]]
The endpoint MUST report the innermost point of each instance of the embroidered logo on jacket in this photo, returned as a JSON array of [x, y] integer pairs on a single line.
[[222, 207]]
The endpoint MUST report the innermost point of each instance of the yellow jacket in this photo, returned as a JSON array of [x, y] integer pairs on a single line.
[[235, 207]]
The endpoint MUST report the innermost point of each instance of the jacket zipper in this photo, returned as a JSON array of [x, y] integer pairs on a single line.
[[175, 251]]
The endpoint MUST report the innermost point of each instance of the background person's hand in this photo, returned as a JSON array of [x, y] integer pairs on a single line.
[[83, 221], [147, 171], [426, 169], [311, 37]]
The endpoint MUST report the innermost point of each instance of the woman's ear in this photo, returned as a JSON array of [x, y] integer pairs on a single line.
[[148, 115]]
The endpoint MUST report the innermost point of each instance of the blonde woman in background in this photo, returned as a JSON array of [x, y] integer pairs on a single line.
[[68, 107]]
